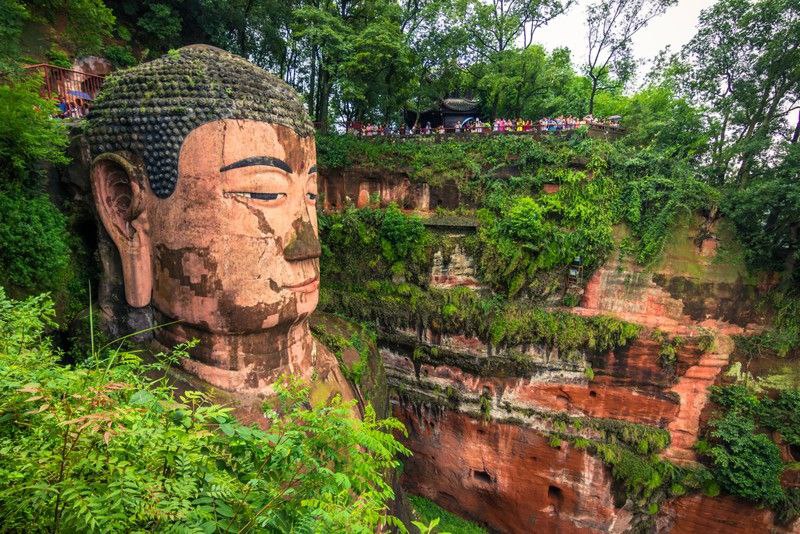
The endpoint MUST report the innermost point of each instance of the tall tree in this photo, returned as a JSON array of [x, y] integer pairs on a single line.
[[499, 25], [745, 63], [611, 26]]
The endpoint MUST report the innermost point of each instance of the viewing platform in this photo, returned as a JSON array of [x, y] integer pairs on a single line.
[[594, 131], [74, 90]]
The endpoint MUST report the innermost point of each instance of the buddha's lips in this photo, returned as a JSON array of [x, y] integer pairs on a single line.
[[307, 286]]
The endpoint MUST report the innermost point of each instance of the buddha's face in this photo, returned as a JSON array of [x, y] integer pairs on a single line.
[[234, 248]]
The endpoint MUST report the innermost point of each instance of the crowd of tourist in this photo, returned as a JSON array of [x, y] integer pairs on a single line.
[[546, 124], [74, 108]]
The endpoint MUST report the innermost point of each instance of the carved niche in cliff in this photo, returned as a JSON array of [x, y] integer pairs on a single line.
[[204, 177]]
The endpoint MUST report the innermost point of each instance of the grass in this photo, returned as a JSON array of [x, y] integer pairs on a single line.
[[427, 510]]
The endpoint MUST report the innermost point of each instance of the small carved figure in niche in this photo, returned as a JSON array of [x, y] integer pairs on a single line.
[[204, 176]]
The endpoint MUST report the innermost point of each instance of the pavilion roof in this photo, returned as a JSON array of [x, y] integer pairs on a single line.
[[462, 105]]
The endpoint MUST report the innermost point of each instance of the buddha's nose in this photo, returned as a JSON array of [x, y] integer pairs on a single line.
[[305, 245]]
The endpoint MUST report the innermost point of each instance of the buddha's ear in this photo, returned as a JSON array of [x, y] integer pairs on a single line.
[[118, 191]]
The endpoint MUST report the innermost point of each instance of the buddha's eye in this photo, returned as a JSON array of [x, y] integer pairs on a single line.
[[312, 197], [269, 197]]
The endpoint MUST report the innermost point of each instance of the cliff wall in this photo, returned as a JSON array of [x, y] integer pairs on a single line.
[[517, 437]]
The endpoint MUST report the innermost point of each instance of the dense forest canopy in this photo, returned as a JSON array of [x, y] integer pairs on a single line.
[[726, 104]]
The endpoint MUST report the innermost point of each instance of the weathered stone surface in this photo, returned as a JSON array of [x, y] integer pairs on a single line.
[[357, 186], [692, 389], [505, 476], [453, 269], [205, 181], [459, 455], [696, 514]]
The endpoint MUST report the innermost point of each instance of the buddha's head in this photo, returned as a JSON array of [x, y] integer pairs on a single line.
[[204, 176]]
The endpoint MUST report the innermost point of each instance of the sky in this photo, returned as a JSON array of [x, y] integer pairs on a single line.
[[675, 27]]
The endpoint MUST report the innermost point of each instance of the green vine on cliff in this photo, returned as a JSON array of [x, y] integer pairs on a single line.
[[360, 341], [740, 451], [463, 311], [602, 183]]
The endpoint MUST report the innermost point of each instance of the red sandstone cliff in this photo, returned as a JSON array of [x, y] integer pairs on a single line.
[[487, 456]]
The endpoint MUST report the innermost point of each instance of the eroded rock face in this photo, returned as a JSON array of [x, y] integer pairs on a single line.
[[479, 413], [452, 269], [506, 476], [360, 186], [700, 514]]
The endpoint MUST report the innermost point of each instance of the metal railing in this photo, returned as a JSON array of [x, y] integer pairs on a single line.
[[74, 90]]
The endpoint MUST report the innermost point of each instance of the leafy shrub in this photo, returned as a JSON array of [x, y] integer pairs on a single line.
[[120, 56], [745, 463], [58, 57], [647, 188], [103, 448], [783, 415], [360, 340], [13, 14], [34, 242], [654, 196], [88, 24], [28, 133], [368, 243], [744, 460]]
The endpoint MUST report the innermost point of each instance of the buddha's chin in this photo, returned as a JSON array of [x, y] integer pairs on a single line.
[[307, 302]]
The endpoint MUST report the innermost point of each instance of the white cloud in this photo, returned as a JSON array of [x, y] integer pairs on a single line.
[[675, 28]]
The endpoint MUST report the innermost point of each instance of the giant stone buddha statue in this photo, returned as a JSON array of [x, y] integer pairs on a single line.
[[204, 176]]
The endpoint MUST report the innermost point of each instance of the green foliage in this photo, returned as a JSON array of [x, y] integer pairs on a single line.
[[656, 191], [783, 339], [523, 231], [88, 22], [104, 448], [706, 341], [428, 511], [766, 214], [668, 352], [751, 49], [588, 372], [360, 341], [12, 18], [120, 56], [34, 243], [525, 235], [368, 243], [486, 407], [28, 133], [745, 463], [657, 121], [462, 311], [782, 415], [744, 460], [59, 58], [645, 478], [161, 24]]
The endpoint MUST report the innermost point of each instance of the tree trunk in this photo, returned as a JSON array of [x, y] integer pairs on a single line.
[[791, 260], [592, 94], [323, 98], [242, 32], [312, 81]]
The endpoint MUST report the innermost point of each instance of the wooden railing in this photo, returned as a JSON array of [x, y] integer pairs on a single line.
[[74, 90]]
